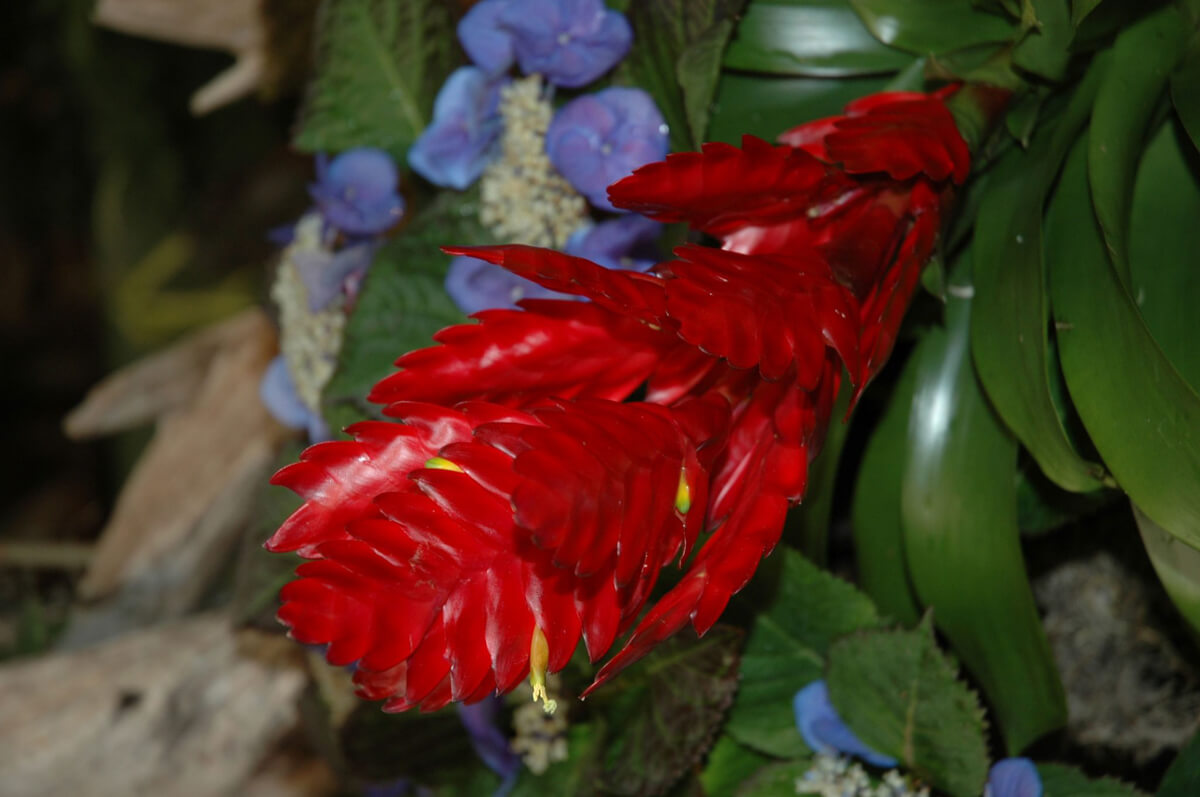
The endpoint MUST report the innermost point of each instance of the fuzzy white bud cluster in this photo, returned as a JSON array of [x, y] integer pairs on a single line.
[[541, 738], [836, 776]]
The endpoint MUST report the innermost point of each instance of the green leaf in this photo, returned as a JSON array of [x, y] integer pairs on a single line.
[[804, 610], [1177, 565], [676, 57], [776, 780], [875, 512], [1081, 8], [1044, 49], [1183, 776], [1042, 506], [815, 38], [1060, 781], [808, 524], [379, 64], [1185, 92], [1023, 116], [729, 766], [1163, 241], [1009, 329], [927, 27], [767, 106], [959, 513], [665, 713], [402, 303], [900, 695], [1143, 57], [1140, 413]]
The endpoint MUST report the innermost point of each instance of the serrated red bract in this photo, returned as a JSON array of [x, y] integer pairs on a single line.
[[523, 492]]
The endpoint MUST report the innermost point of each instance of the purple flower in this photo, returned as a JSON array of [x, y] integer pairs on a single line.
[[278, 395], [629, 242], [476, 285], [1013, 777], [599, 138], [458, 144], [569, 42], [327, 275], [356, 191], [824, 731], [487, 42], [489, 741]]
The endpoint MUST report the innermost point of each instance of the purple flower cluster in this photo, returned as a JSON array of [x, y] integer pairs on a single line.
[[453, 151], [356, 192]]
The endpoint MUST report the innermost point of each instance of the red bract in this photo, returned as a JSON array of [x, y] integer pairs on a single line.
[[523, 502]]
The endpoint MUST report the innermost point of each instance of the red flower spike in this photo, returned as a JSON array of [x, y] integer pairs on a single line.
[[463, 549]]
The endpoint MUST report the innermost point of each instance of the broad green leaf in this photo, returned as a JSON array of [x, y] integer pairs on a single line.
[[1185, 92], [775, 780], [1023, 116], [875, 513], [577, 775], [677, 59], [729, 765], [1177, 565], [808, 524], [379, 65], [1140, 413], [1143, 57], [901, 696], [815, 38], [1009, 329], [1164, 238], [1060, 781], [1183, 776], [663, 715], [1081, 8], [402, 303], [802, 610], [1042, 506], [1044, 48], [766, 106], [928, 27], [959, 513]]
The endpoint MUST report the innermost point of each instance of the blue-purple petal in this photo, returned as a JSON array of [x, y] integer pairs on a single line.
[[597, 139], [356, 192], [476, 285], [824, 731], [456, 147], [1014, 777], [629, 242], [491, 745], [278, 395], [325, 275], [569, 42], [487, 43]]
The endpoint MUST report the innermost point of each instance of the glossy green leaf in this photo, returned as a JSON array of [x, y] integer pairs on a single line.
[[933, 26], [729, 765], [802, 610], [1140, 413], [1009, 328], [1023, 115], [901, 696], [808, 524], [875, 513], [766, 106], [1143, 57], [816, 38], [1060, 781], [698, 70], [1081, 8], [1044, 49], [1185, 92], [379, 64], [1183, 776], [1163, 241], [664, 715], [1177, 565], [962, 544]]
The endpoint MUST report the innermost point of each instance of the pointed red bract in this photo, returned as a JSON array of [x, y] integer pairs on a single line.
[[518, 498]]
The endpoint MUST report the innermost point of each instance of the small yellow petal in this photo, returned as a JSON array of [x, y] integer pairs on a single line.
[[441, 463], [683, 495], [539, 659]]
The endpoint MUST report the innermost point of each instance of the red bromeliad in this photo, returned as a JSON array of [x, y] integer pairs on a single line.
[[522, 503]]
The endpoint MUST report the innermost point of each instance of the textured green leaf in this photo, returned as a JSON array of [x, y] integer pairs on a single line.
[[1183, 776], [1177, 565], [1164, 238], [959, 514], [933, 26], [803, 610], [1185, 92], [729, 766], [1009, 328], [379, 65], [1143, 57], [1044, 49], [698, 70], [767, 106], [875, 513], [901, 696], [402, 303], [1060, 781], [1140, 413], [815, 38], [776, 780], [664, 714]]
